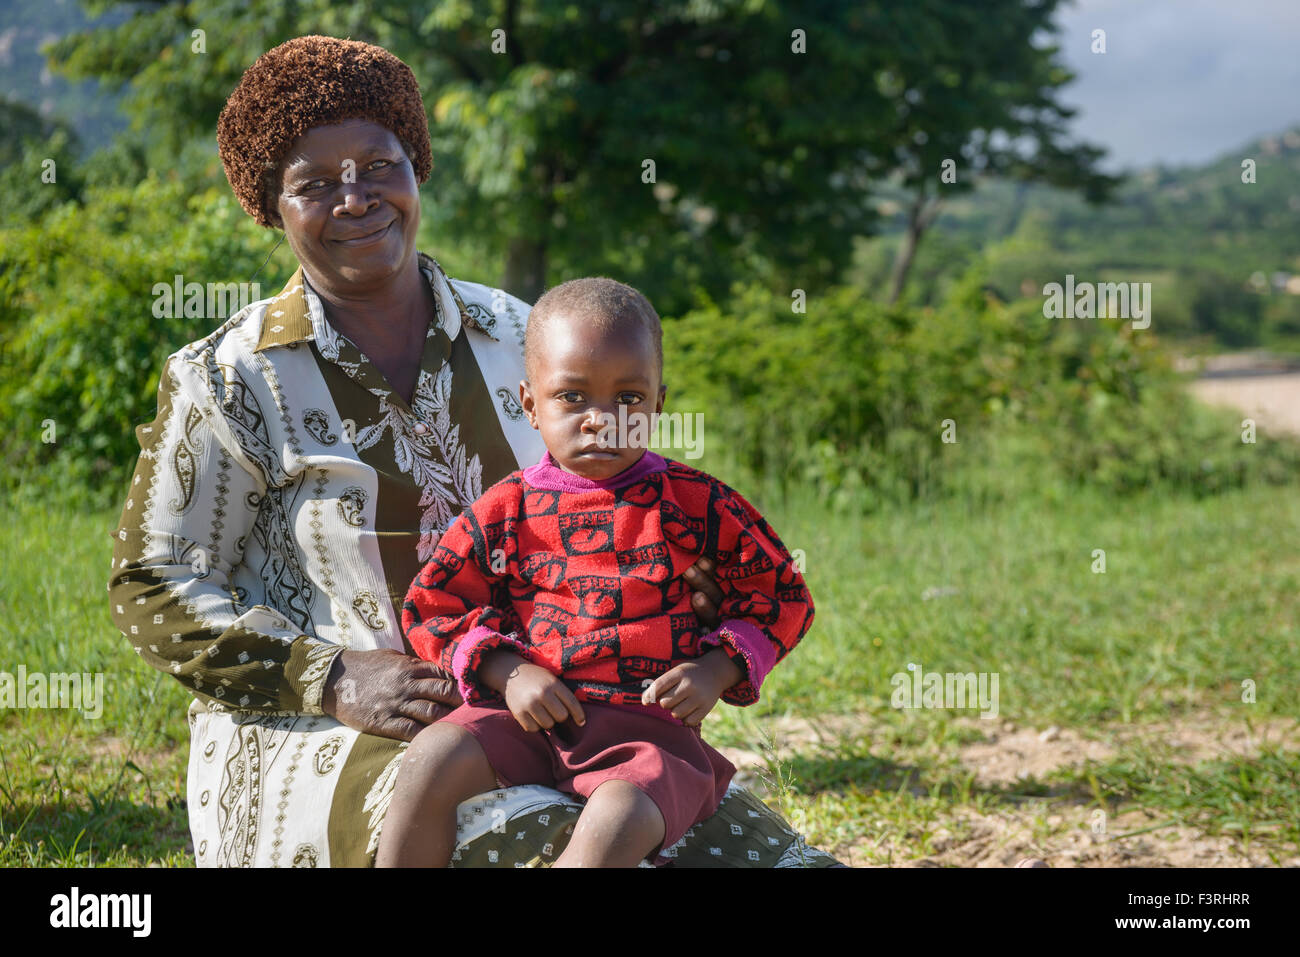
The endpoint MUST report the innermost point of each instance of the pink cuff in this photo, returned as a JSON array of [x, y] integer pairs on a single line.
[[750, 643], [468, 658]]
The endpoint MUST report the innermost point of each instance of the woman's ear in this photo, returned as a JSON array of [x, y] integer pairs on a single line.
[[526, 400], [271, 194]]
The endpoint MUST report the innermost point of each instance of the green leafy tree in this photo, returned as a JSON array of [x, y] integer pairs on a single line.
[[680, 143], [84, 329], [38, 168], [976, 94]]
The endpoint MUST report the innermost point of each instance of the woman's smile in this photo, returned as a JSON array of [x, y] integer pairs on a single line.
[[365, 239]]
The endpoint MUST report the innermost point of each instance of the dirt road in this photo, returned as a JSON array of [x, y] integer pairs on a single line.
[[1260, 387]]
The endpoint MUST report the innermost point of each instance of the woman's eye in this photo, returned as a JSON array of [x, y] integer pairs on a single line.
[[379, 164]]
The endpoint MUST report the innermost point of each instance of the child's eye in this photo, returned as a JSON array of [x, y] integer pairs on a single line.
[[570, 396], [629, 398]]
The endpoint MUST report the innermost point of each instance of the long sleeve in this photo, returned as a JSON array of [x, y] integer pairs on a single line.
[[459, 609], [192, 503], [766, 608]]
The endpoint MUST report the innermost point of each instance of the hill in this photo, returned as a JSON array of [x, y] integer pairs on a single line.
[[1220, 253]]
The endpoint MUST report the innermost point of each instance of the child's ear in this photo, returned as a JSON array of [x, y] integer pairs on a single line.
[[526, 400], [659, 405]]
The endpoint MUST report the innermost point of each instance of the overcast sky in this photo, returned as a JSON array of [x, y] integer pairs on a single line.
[[1181, 81]]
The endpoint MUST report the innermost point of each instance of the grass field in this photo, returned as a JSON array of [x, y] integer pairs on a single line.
[[1121, 736]]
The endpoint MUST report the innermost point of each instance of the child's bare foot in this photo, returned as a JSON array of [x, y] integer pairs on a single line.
[[1032, 862]]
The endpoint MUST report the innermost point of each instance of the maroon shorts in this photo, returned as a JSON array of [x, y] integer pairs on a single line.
[[671, 763]]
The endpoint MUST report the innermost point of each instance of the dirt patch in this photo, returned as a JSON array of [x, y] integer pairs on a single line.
[[1273, 401], [1013, 754], [1065, 835], [1077, 837], [1261, 386]]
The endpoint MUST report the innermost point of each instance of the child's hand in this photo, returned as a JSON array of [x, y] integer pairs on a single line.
[[691, 689], [538, 699]]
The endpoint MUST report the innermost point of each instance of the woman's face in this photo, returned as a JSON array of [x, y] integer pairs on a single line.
[[349, 205]]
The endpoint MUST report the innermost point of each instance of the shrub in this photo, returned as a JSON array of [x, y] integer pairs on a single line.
[[82, 347], [855, 398]]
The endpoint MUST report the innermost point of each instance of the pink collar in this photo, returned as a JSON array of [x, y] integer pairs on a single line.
[[549, 476]]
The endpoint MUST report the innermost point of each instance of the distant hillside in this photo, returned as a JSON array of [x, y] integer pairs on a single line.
[[25, 27], [1220, 253]]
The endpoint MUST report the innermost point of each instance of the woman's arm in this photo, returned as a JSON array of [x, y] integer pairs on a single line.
[[387, 693], [192, 503]]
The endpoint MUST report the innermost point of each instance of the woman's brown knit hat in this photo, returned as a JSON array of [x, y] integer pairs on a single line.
[[314, 81]]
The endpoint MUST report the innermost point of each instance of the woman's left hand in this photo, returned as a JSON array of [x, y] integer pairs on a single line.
[[707, 597]]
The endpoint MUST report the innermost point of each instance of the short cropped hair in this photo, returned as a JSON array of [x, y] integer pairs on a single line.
[[307, 82], [607, 303]]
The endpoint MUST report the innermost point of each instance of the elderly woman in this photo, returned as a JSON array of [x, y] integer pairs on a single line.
[[305, 458]]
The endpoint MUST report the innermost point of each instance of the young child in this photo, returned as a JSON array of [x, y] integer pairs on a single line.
[[558, 601]]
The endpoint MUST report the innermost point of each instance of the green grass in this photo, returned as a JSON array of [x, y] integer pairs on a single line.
[[107, 791], [1197, 596]]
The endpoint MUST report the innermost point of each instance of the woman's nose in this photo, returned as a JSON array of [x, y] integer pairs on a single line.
[[356, 199]]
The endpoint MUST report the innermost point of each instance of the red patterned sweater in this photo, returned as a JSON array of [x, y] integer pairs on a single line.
[[594, 569]]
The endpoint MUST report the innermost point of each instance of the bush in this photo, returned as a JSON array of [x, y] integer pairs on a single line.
[[82, 347], [856, 399]]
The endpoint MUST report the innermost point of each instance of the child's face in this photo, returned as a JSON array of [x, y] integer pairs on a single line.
[[580, 379]]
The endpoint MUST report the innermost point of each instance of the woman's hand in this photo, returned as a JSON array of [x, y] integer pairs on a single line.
[[387, 693], [707, 597]]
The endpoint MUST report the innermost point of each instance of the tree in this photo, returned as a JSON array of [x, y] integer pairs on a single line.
[[38, 168], [977, 95], [679, 145]]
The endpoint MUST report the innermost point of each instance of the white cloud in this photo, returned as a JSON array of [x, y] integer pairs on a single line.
[[1182, 81]]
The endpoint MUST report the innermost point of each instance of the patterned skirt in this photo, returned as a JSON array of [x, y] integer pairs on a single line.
[[307, 791]]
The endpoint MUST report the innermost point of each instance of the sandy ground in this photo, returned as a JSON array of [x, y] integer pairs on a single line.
[[1261, 386], [1066, 832], [1273, 401]]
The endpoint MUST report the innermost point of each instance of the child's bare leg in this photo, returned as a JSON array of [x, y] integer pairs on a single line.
[[443, 766], [619, 826]]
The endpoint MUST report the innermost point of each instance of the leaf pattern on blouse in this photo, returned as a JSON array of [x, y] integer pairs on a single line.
[[436, 460]]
